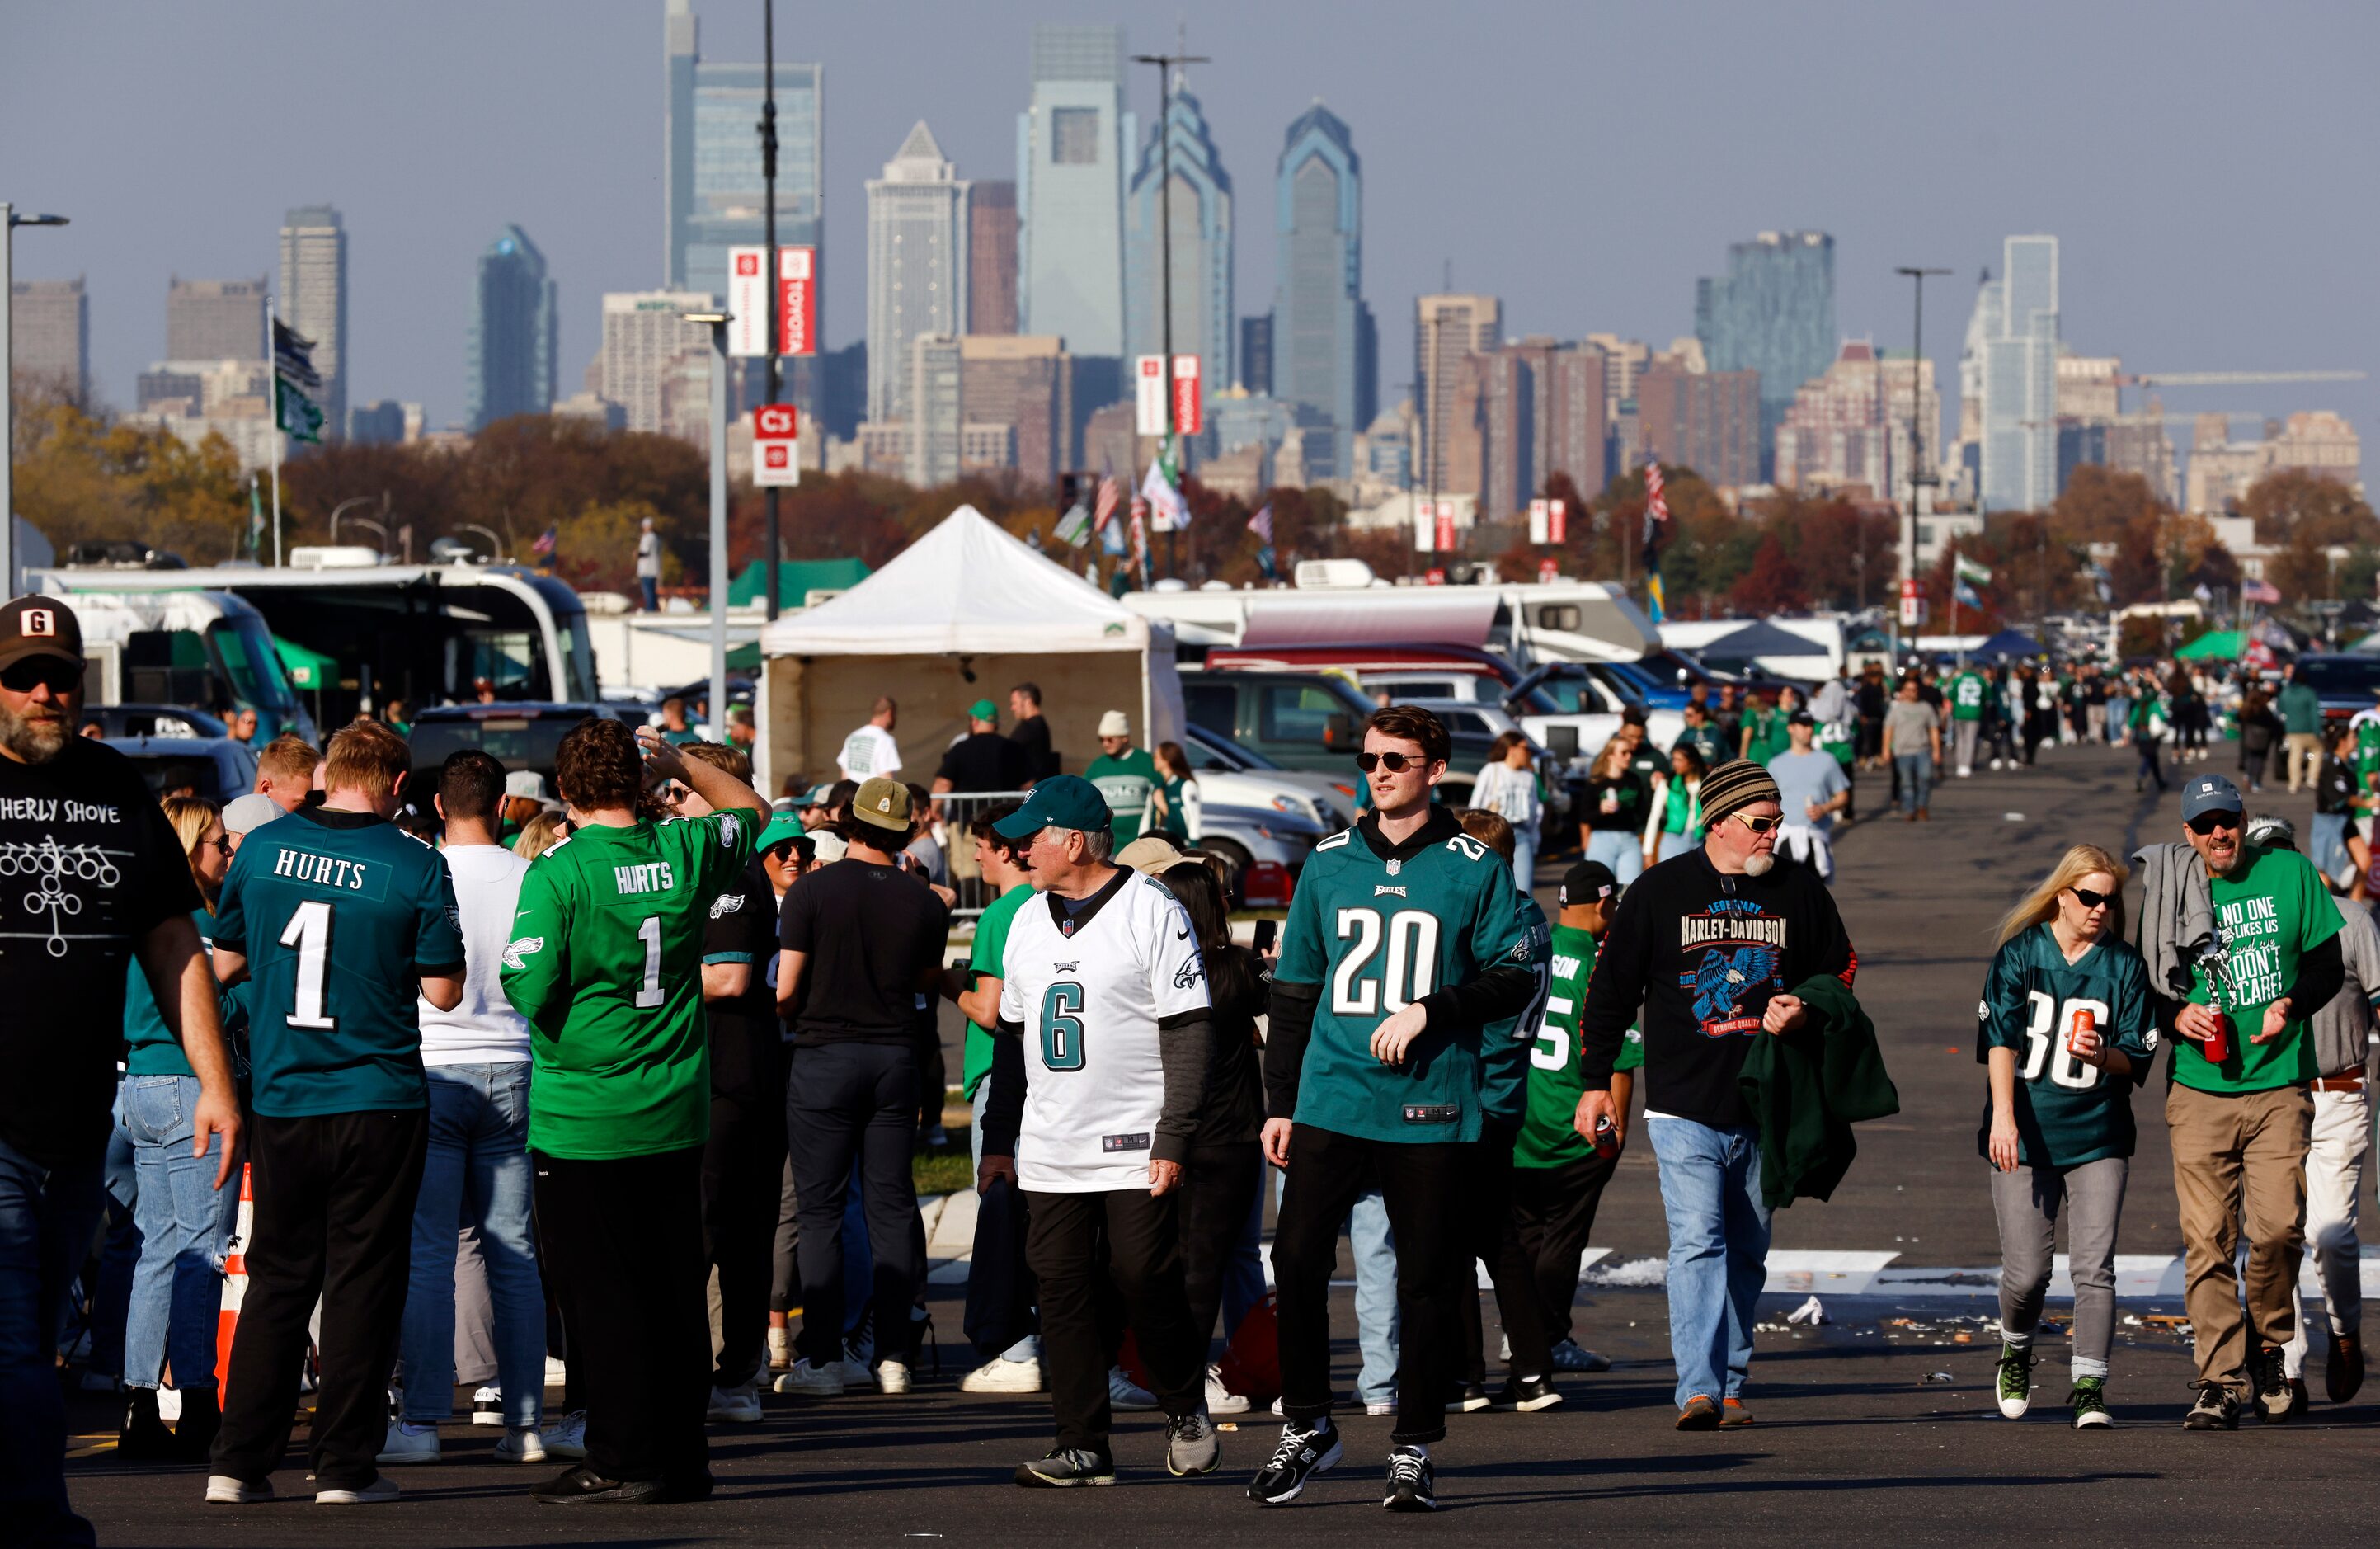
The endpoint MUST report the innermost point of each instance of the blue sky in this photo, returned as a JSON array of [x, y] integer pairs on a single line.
[[2207, 166]]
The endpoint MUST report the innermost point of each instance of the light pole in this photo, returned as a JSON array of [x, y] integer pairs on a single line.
[[717, 323], [336, 511], [9, 221], [769, 266], [1918, 477], [1165, 63]]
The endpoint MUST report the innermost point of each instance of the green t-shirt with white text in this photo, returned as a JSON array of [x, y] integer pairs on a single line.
[[1967, 697], [1126, 783], [2268, 914]]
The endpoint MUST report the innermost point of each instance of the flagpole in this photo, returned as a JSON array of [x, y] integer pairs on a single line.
[[272, 363]]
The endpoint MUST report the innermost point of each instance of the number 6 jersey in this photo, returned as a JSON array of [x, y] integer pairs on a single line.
[[1091, 988], [2067, 1112]]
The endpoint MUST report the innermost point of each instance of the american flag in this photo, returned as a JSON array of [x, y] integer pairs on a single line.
[[1110, 495], [1140, 538], [2260, 592], [1261, 523], [544, 546], [1656, 505]]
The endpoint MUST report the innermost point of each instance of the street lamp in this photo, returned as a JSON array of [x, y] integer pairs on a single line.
[[342, 507], [717, 323], [1918, 477], [9, 221], [1166, 63]]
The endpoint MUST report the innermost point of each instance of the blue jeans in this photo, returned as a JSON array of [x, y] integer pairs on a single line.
[[1916, 779], [1622, 849], [1718, 1250], [47, 1216], [1674, 844], [2119, 716], [1525, 861], [477, 1169], [2329, 853], [119, 1255], [185, 1226]]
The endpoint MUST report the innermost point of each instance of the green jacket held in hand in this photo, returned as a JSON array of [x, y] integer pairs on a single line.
[[1805, 1089]]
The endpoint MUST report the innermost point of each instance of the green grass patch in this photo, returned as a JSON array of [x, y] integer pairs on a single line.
[[947, 1171]]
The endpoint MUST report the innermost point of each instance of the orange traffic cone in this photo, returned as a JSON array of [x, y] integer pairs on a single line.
[[235, 1287]]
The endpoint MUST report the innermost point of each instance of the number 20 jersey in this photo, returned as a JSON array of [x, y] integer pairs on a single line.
[[2067, 1112], [1092, 993]]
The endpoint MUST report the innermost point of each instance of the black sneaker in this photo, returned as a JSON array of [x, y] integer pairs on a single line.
[[1063, 1468], [1528, 1395], [2275, 1402], [1303, 1453], [1467, 1398], [1413, 1483], [143, 1436], [2216, 1409]]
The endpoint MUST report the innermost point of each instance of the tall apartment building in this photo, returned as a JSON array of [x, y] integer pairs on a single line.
[[652, 355], [1445, 328], [1772, 312], [713, 195], [1024, 380], [314, 299], [1852, 423], [1521, 414], [917, 265], [2010, 365], [215, 320], [1072, 144], [510, 360], [1325, 344], [2223, 471], [991, 257], [1199, 213], [1706, 420], [935, 419], [49, 334]]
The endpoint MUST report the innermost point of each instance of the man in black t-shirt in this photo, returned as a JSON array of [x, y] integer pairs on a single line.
[[859, 942], [95, 879], [983, 760], [1031, 732]]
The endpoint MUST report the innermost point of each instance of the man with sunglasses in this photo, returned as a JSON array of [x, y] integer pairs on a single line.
[[2242, 1124], [1709, 944]]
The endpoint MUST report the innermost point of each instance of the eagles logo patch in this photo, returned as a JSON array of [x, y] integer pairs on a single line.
[[1189, 975], [725, 905], [516, 950]]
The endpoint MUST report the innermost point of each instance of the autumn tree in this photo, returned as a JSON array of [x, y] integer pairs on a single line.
[[78, 476], [1772, 585], [2291, 501]]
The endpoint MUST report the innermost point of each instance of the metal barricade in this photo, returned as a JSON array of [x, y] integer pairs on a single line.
[[956, 814]]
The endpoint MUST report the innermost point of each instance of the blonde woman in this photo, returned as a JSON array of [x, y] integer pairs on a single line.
[[1617, 798], [1675, 825], [1507, 786], [2068, 1030], [536, 835]]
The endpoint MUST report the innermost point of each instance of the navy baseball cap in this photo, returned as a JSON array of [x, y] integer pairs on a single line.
[[1065, 801], [2210, 793]]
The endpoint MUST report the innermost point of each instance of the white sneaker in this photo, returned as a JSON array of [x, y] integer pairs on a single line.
[[225, 1489], [1222, 1400], [1996, 763], [810, 1380], [557, 1372], [1379, 1406], [169, 1404], [1001, 1374], [893, 1377], [488, 1406], [408, 1442], [780, 1349], [1568, 1357], [1125, 1394], [852, 1367], [739, 1404], [381, 1491], [520, 1443], [565, 1438], [1965, 772]]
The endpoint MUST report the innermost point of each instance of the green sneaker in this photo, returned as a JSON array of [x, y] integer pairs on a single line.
[[2015, 1381], [2089, 1402]]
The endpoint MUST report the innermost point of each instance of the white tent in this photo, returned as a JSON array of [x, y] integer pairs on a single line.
[[965, 613]]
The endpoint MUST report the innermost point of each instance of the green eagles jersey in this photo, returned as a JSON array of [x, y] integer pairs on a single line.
[[339, 915], [1768, 738], [1505, 1046], [2367, 747], [2067, 1112], [991, 941], [1967, 697], [2269, 912], [1547, 1138], [605, 961], [1374, 932], [1127, 784]]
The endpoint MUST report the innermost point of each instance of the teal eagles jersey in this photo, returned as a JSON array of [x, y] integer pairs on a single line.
[[2067, 1112], [339, 915], [1505, 1046], [1374, 934]]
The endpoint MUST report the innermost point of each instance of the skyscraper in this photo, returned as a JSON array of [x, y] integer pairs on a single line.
[[1324, 346], [1070, 145], [2010, 367], [934, 376], [1706, 420], [917, 265], [1024, 381], [651, 351], [314, 299], [1445, 328], [510, 361], [215, 320], [1200, 218], [1255, 353], [991, 257], [1774, 313], [712, 193], [49, 334]]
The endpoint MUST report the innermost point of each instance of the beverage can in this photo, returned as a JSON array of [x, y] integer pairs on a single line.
[[2217, 1047], [2085, 1020]]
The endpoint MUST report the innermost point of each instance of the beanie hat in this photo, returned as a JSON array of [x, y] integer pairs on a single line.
[[1732, 787]]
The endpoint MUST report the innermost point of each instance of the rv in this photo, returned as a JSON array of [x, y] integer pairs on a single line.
[[206, 649]]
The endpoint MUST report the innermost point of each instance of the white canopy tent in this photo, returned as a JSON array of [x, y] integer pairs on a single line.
[[965, 613]]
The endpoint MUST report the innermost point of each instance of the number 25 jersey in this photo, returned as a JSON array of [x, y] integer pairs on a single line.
[[2067, 1112]]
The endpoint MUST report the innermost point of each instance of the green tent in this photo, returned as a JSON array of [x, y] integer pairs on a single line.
[[2216, 645], [306, 668], [796, 579], [744, 658]]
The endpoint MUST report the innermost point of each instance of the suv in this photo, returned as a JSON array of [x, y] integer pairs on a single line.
[[1300, 720], [519, 736], [2346, 683], [215, 767], [153, 720]]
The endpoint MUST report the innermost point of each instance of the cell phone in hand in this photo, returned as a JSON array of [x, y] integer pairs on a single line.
[[1268, 930]]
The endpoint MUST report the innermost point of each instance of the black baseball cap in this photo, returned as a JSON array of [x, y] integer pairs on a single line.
[[35, 626], [1588, 882]]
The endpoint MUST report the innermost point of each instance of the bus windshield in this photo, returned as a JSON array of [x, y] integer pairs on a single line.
[[243, 649]]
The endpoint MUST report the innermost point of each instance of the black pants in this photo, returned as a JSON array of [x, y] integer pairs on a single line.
[[1487, 1211], [332, 1219], [743, 1167], [846, 1101], [624, 1236], [1142, 1262], [1553, 1211], [1218, 1183], [1422, 1185]]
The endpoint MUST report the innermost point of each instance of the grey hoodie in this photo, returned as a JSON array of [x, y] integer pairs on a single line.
[[2176, 914]]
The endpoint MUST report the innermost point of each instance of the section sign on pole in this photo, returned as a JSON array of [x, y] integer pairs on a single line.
[[747, 301], [796, 300], [1148, 395], [1538, 522], [1424, 527], [1446, 527], [776, 457], [1189, 418], [1556, 521], [1912, 603]]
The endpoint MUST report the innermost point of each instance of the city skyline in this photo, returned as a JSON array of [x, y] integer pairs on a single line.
[[1597, 224]]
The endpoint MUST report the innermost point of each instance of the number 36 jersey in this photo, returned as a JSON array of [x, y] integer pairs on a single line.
[[1091, 990], [2067, 1112]]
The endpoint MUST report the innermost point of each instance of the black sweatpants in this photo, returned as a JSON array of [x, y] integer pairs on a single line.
[[743, 1172], [1488, 1214], [1422, 1184], [846, 1101], [332, 1219], [1219, 1185], [1553, 1211], [624, 1236], [1141, 1236]]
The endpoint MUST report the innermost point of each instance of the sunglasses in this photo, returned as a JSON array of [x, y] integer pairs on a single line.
[[2089, 899], [23, 677], [1758, 826], [2207, 822], [1395, 763]]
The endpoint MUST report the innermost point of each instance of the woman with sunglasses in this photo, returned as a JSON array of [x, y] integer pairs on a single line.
[[1611, 826], [2068, 1030]]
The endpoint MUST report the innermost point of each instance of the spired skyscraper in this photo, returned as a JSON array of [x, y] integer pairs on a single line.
[[917, 265], [1070, 145], [712, 192], [1772, 312], [1204, 319], [2009, 366], [511, 356], [1325, 346], [314, 299]]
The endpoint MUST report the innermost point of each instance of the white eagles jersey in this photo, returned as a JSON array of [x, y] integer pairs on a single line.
[[1090, 1001]]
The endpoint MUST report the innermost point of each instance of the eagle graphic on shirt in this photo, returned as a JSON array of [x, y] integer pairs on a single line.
[[1724, 981]]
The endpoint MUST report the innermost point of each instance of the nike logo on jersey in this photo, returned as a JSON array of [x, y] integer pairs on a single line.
[[1181, 935], [516, 950], [646, 876], [1378, 888]]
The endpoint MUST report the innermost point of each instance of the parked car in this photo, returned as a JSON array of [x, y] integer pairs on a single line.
[[1244, 835], [153, 720], [1300, 720], [1330, 799], [2346, 683], [215, 767], [523, 735]]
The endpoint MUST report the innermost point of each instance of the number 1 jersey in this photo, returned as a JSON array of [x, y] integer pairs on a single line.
[[2067, 1112]]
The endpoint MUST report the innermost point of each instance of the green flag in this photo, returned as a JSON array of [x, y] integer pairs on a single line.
[[1971, 572], [294, 412]]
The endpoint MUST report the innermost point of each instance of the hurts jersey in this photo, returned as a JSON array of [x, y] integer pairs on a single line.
[[1090, 993], [2067, 1112]]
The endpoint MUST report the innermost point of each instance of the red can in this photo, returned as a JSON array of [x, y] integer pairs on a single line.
[[2085, 1020], [2218, 1047]]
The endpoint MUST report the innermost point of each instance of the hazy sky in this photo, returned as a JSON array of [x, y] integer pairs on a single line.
[[2209, 167]]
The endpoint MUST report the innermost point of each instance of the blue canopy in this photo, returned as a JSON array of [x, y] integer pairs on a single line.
[[2010, 645]]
